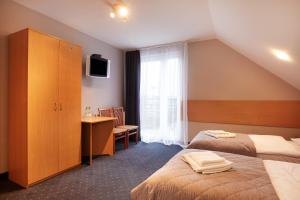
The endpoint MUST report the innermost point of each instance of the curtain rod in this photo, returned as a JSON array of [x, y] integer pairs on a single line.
[[162, 45]]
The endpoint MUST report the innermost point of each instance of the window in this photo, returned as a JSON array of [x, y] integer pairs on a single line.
[[161, 95]]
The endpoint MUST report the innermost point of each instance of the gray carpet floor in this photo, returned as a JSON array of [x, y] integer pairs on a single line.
[[110, 177]]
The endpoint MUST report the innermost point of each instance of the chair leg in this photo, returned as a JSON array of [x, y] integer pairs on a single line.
[[127, 139], [136, 137], [125, 142]]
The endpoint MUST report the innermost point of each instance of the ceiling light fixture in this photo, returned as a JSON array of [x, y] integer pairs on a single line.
[[119, 9], [281, 55]]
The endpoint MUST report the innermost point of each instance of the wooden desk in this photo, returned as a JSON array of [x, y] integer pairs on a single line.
[[97, 136]]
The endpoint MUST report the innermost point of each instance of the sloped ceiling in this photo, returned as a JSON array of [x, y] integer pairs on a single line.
[[252, 27]]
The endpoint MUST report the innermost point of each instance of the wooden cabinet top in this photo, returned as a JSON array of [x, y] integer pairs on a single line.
[[28, 30]]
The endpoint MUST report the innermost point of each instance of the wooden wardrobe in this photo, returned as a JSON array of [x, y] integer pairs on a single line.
[[44, 114]]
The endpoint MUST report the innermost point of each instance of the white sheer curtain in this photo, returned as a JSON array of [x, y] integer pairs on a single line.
[[163, 94]]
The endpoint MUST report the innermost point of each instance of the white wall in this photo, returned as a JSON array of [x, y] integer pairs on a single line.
[[217, 72], [95, 92]]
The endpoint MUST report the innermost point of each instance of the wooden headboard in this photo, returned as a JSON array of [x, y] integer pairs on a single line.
[[259, 113]]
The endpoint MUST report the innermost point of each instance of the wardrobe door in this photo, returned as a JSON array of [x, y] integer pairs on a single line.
[[70, 74], [42, 106]]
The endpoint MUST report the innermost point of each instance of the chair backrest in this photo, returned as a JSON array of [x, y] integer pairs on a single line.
[[118, 112], [107, 112]]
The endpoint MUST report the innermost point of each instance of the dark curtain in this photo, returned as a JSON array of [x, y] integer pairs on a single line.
[[132, 88]]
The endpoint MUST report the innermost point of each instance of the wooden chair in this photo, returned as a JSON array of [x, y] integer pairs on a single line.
[[119, 113], [119, 133]]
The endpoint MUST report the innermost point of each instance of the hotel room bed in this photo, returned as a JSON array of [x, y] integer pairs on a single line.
[[248, 179], [263, 146]]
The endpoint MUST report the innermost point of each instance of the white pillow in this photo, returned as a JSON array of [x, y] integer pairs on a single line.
[[296, 140], [285, 178], [272, 144]]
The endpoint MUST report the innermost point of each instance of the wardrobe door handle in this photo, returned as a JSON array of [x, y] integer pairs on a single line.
[[55, 107], [60, 107]]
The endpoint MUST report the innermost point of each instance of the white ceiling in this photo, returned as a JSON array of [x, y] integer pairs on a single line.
[[151, 22], [251, 27]]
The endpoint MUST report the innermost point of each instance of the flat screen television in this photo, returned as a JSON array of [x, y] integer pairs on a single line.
[[96, 66]]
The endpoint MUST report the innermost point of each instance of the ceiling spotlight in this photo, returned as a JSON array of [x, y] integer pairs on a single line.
[[112, 15], [281, 55], [119, 9], [123, 11]]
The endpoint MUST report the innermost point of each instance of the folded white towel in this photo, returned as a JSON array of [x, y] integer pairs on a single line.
[[219, 134], [217, 170], [217, 131], [206, 162], [205, 158]]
